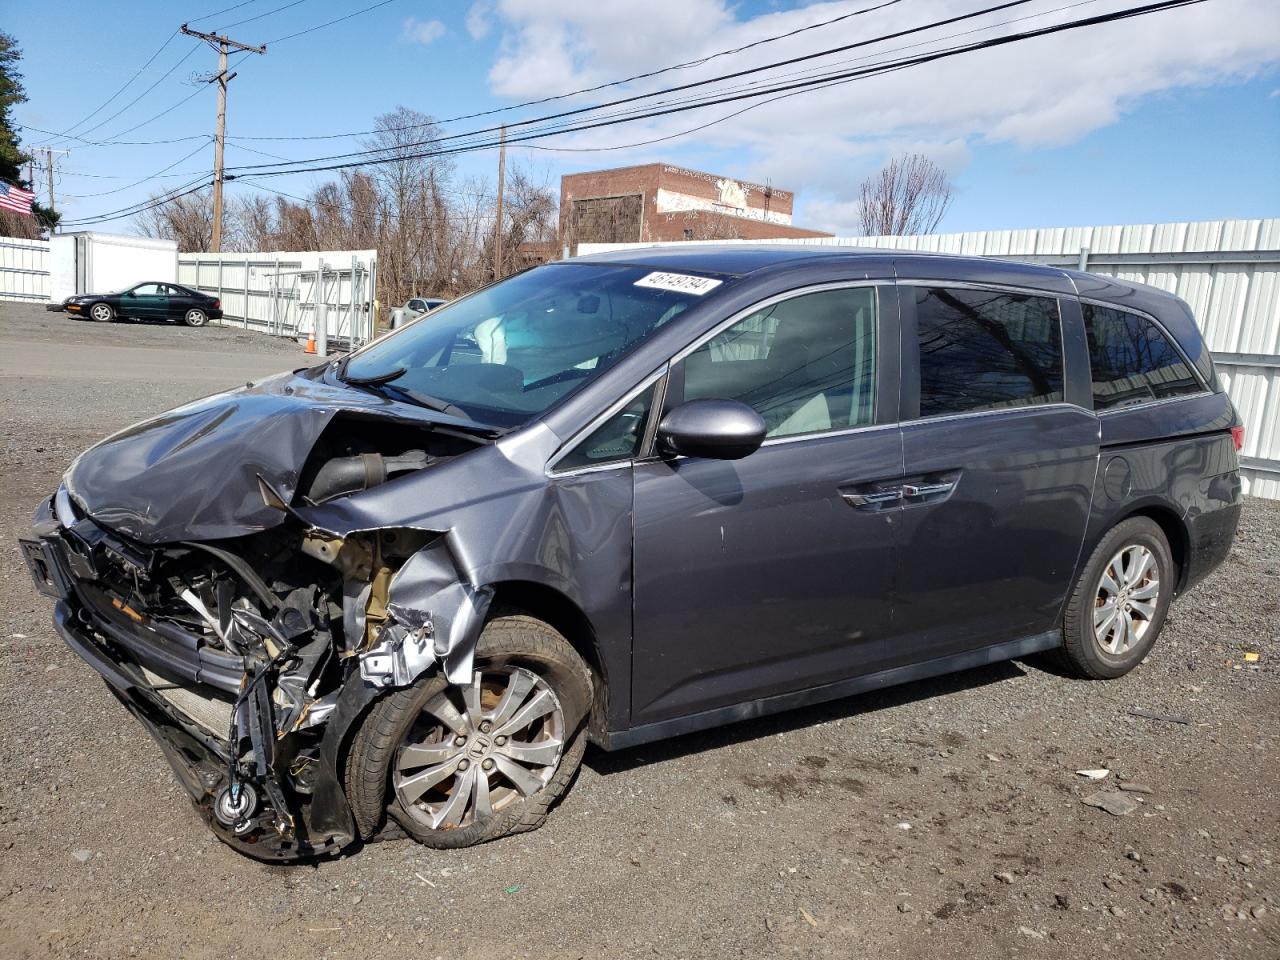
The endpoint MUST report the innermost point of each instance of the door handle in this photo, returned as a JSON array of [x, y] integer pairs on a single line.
[[927, 489], [871, 499]]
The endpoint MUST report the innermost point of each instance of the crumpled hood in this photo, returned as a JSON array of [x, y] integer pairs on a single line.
[[192, 473]]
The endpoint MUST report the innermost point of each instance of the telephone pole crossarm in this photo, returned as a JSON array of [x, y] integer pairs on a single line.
[[218, 40], [223, 45]]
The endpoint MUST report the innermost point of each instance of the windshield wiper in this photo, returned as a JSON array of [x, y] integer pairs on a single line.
[[381, 384], [373, 379], [422, 399]]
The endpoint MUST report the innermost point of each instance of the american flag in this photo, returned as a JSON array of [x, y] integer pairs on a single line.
[[15, 199]]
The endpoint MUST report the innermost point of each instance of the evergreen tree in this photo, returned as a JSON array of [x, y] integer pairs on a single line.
[[12, 157]]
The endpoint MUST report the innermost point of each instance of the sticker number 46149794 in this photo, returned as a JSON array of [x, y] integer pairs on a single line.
[[679, 282]]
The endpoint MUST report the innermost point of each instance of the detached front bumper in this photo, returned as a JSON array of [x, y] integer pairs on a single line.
[[183, 694]]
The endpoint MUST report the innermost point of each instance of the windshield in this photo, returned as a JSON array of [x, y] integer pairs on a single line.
[[507, 353]]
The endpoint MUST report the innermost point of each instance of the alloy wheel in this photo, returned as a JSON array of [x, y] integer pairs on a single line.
[[100, 312], [196, 318], [477, 749], [1127, 599]]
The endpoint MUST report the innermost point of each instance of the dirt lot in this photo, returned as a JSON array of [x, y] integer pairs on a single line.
[[941, 819]]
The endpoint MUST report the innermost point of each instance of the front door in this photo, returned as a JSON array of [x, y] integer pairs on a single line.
[[146, 301], [773, 573], [998, 471]]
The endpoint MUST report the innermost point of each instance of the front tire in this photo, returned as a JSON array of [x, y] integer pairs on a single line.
[[456, 766], [1120, 601], [195, 317], [102, 312]]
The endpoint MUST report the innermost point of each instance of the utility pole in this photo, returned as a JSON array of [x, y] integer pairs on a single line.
[[497, 223], [48, 160], [222, 45]]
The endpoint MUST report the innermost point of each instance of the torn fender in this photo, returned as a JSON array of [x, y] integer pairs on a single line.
[[437, 616]]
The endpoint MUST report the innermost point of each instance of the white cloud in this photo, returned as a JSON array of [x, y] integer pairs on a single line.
[[423, 31], [480, 19], [1045, 91]]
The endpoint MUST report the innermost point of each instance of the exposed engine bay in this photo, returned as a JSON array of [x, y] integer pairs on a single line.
[[240, 652]]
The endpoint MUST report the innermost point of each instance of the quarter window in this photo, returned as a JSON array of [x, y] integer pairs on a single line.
[[617, 439], [986, 350], [806, 365], [1131, 360]]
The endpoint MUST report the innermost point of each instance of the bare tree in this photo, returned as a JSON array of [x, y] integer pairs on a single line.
[[186, 219], [910, 195], [433, 234], [530, 217]]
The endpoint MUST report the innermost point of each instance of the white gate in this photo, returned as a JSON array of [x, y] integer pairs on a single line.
[[24, 270], [326, 296]]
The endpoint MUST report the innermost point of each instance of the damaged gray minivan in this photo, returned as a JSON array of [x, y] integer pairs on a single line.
[[627, 497]]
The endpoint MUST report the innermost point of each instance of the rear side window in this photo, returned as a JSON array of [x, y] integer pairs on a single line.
[[986, 350], [1131, 360]]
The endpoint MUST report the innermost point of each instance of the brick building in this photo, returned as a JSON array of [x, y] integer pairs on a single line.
[[659, 202]]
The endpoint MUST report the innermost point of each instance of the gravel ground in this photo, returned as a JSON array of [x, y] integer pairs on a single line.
[[941, 819]]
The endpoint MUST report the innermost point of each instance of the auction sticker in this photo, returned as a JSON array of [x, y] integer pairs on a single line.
[[679, 282]]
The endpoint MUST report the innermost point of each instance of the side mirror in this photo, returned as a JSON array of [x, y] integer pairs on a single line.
[[712, 428]]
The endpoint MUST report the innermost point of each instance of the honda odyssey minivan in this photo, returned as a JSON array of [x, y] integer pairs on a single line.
[[626, 497]]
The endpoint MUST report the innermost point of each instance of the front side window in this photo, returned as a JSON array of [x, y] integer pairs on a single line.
[[147, 290], [986, 350], [1131, 360], [806, 365], [511, 351]]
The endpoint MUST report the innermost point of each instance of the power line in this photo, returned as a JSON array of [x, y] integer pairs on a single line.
[[261, 15], [821, 82], [134, 209], [577, 111], [330, 23], [167, 110], [112, 143], [602, 86], [184, 100], [102, 123], [154, 176], [218, 13], [121, 89], [260, 170]]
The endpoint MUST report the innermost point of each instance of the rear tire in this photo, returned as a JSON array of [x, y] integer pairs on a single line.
[[102, 312], [1119, 603], [195, 317], [381, 770]]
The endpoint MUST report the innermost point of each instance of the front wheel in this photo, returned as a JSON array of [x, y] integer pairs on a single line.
[[102, 312], [1120, 601], [460, 765], [195, 318]]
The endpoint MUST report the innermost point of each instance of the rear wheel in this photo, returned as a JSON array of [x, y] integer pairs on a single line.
[[459, 765], [195, 317], [1119, 604], [102, 312]]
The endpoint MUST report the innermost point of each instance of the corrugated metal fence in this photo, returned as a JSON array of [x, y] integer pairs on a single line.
[[24, 270], [1227, 270], [329, 294]]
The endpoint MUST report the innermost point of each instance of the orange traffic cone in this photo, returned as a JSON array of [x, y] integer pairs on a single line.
[[311, 343]]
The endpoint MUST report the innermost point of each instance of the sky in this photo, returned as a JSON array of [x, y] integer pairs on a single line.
[[1169, 117]]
